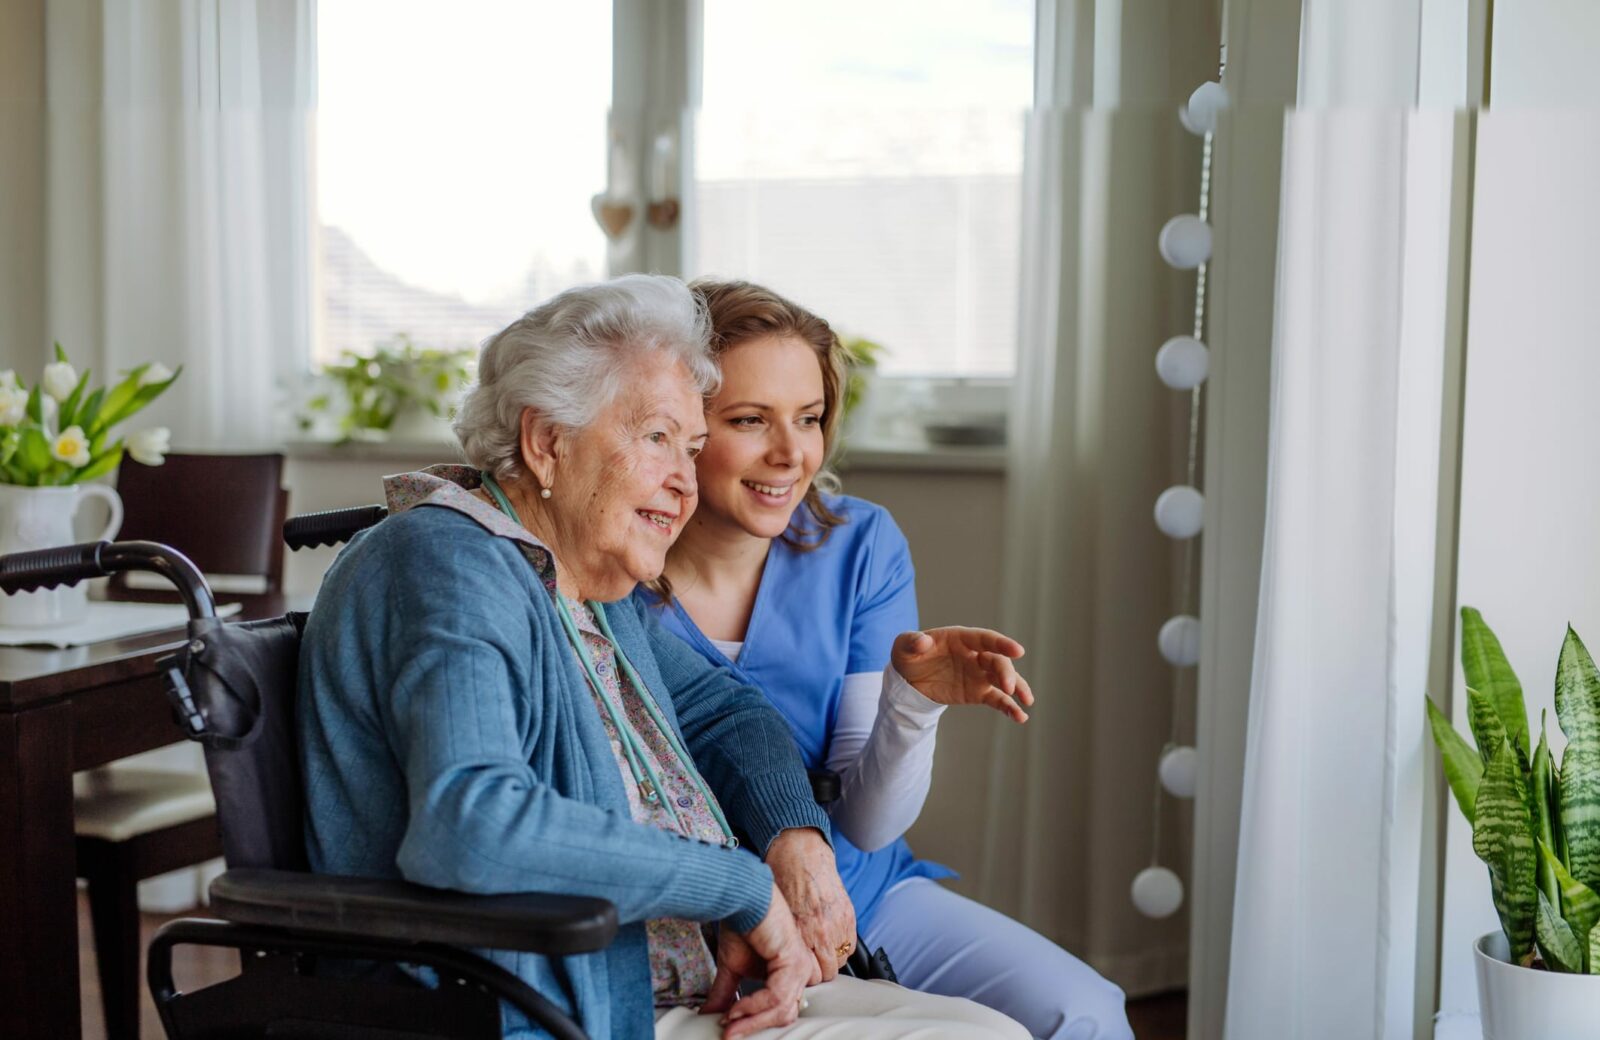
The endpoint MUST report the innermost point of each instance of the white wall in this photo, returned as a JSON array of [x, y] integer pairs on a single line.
[[1529, 548], [1544, 54], [24, 340]]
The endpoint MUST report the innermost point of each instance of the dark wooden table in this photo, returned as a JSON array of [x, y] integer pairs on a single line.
[[62, 711]]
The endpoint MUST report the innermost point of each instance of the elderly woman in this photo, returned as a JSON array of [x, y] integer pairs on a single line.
[[487, 711]]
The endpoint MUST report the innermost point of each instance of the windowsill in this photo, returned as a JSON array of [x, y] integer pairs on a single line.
[[921, 456], [863, 455], [428, 449]]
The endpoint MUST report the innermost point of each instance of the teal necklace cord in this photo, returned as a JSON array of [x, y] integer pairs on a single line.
[[651, 789]]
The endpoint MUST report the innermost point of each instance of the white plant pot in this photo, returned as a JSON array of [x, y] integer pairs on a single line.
[[41, 518], [1518, 1003]]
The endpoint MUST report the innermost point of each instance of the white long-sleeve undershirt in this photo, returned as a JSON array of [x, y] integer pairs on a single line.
[[882, 748]]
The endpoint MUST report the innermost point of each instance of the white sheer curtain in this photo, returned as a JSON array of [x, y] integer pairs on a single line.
[[1325, 912], [1095, 437], [181, 212], [1088, 578], [179, 222]]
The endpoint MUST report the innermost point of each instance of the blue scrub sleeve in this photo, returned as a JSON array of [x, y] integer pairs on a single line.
[[886, 604]]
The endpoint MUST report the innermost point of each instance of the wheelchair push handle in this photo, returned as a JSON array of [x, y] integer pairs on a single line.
[[330, 527], [70, 564], [47, 568]]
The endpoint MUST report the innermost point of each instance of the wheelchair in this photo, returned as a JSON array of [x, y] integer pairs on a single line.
[[322, 956]]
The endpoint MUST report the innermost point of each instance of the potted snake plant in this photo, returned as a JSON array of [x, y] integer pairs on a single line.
[[1536, 824]]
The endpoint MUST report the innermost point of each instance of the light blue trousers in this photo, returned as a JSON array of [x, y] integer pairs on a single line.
[[941, 942]]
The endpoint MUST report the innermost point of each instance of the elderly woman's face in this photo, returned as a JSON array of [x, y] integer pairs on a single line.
[[626, 485]]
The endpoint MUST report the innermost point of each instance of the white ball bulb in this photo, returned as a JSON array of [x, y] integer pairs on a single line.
[[1179, 641], [1205, 104], [1187, 119], [1157, 892], [1182, 362], [1177, 771], [1185, 241], [1180, 511]]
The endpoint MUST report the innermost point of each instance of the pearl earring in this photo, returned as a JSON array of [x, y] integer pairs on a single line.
[[544, 492]]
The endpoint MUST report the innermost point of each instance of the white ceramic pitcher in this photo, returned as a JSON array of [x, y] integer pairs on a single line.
[[41, 518]]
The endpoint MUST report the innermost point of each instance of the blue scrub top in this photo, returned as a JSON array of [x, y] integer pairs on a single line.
[[819, 616]]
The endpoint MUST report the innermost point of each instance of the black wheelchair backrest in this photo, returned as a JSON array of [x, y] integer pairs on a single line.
[[241, 679]]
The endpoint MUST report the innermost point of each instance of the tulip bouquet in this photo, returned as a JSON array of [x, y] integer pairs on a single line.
[[58, 432]]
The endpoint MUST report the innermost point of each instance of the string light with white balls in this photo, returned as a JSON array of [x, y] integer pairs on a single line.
[[1182, 363]]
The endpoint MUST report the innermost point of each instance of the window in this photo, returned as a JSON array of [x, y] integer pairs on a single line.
[[866, 159], [457, 149]]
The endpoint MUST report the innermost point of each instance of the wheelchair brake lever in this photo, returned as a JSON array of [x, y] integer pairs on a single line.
[[183, 706]]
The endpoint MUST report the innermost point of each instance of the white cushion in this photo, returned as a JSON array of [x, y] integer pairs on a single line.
[[118, 804]]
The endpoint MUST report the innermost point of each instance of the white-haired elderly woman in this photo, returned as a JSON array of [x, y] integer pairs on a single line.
[[488, 711]]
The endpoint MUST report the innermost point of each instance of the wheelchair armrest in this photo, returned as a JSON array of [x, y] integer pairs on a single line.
[[535, 922]]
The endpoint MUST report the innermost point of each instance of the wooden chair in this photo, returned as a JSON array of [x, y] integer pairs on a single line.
[[226, 513]]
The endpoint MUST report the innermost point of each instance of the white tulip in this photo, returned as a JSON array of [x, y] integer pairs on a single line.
[[156, 373], [150, 446], [13, 405], [71, 447], [49, 412], [60, 379], [8, 379]]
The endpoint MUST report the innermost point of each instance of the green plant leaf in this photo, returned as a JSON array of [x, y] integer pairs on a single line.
[[1557, 945], [115, 399], [1487, 729], [1578, 708], [1579, 904], [91, 408], [1463, 769], [1502, 836], [112, 414], [99, 466], [35, 409], [69, 407], [61, 355], [1487, 669], [33, 454], [1542, 791]]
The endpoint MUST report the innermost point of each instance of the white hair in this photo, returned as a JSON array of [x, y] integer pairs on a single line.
[[566, 360]]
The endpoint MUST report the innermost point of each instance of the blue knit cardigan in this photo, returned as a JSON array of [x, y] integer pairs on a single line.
[[448, 738]]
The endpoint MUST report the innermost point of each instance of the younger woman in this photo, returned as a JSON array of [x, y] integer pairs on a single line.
[[810, 596]]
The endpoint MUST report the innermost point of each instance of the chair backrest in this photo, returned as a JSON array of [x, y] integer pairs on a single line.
[[242, 679], [224, 512]]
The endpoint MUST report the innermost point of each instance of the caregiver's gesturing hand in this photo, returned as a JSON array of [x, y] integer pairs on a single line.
[[964, 666]]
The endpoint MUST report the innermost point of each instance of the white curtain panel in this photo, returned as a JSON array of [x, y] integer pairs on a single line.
[[179, 223], [1088, 579], [1325, 909], [205, 206]]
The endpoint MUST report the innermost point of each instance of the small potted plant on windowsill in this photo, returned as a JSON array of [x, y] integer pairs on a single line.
[[402, 391], [1537, 826]]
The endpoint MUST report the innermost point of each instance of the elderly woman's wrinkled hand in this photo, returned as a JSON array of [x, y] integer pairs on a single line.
[[964, 666], [803, 866], [772, 949]]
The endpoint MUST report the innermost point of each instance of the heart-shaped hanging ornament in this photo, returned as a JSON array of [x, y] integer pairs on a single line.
[[662, 215], [613, 215]]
